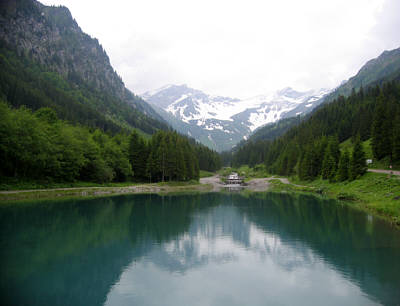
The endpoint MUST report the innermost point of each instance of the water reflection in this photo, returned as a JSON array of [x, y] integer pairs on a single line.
[[213, 249]]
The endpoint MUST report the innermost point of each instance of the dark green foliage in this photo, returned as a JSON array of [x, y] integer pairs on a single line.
[[311, 149], [343, 167], [309, 164], [396, 140], [357, 163], [331, 159], [274, 130], [209, 160], [38, 146], [138, 154], [172, 157], [24, 82], [47, 61], [381, 129]]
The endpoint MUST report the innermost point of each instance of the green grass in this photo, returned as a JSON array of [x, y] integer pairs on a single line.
[[258, 171], [204, 173], [174, 183], [15, 184], [103, 191], [249, 173], [376, 164], [374, 192], [348, 145]]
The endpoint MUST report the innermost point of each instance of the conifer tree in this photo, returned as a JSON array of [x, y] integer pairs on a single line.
[[358, 163], [381, 130], [180, 161], [396, 141], [151, 166], [343, 168], [331, 159], [162, 157], [138, 155], [328, 166]]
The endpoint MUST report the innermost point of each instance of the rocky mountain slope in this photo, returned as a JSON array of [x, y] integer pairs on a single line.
[[46, 44], [221, 122], [384, 68]]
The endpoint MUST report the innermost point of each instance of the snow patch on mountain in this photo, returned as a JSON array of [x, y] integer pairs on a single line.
[[230, 116]]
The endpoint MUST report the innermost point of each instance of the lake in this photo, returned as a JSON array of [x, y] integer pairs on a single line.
[[208, 249]]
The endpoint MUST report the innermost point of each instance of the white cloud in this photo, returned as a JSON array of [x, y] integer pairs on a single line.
[[239, 48]]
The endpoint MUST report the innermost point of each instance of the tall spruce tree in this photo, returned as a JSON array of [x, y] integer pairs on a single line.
[[328, 166], [331, 159], [396, 141], [381, 129], [162, 157], [343, 167], [138, 155], [358, 163]]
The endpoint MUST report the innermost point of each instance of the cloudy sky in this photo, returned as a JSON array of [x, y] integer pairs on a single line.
[[239, 48]]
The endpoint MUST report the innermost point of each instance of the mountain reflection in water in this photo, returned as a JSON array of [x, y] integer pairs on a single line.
[[210, 249]]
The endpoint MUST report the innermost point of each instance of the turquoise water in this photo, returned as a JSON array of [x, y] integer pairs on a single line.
[[210, 249]]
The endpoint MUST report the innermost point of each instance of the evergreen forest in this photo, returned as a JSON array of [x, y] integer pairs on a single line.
[[311, 149], [38, 146]]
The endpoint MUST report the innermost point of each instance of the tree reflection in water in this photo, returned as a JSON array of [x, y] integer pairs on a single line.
[[113, 250]]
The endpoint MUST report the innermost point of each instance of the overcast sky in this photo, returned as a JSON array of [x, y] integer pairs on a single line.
[[239, 48]]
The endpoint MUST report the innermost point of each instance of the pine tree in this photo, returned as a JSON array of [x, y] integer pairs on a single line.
[[162, 157], [357, 164], [151, 166], [328, 166], [331, 159], [396, 141], [170, 159], [308, 167], [138, 154], [381, 130], [343, 168], [180, 162]]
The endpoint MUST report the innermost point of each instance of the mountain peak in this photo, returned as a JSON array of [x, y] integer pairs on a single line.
[[285, 90], [221, 122]]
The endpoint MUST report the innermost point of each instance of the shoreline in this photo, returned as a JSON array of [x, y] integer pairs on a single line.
[[208, 184], [91, 192], [354, 194]]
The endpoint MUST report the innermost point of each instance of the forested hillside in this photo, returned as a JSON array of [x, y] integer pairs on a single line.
[[312, 148], [37, 146], [384, 68], [66, 116], [47, 61]]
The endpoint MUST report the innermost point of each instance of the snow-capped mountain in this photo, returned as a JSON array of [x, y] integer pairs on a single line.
[[221, 122]]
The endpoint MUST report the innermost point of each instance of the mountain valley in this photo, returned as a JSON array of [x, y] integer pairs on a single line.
[[221, 122]]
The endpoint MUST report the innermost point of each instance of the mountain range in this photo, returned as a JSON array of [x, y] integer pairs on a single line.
[[221, 122], [46, 60]]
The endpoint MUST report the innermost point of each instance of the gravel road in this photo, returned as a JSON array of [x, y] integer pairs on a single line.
[[384, 171]]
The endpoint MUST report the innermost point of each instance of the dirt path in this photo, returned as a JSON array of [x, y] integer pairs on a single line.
[[215, 181], [384, 171]]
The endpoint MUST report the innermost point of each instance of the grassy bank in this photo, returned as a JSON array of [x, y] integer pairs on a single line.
[[15, 184], [101, 191], [374, 192], [204, 173]]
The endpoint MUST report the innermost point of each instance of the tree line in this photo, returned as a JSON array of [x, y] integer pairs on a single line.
[[39, 146], [311, 149]]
